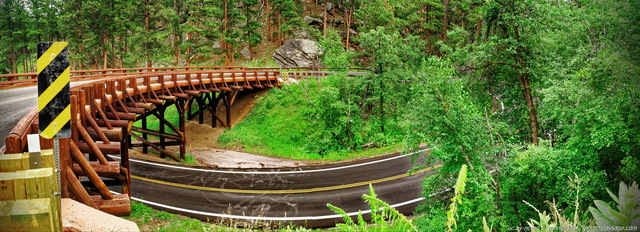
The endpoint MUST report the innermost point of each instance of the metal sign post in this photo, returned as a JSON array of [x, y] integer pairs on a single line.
[[56, 158]]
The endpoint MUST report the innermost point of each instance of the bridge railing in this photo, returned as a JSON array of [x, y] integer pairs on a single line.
[[27, 79], [16, 141], [354, 69], [311, 72]]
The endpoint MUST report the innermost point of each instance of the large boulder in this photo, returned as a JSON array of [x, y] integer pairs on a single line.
[[298, 53], [246, 53], [312, 21]]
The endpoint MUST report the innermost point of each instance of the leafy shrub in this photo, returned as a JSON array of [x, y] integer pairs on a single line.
[[541, 173], [628, 204]]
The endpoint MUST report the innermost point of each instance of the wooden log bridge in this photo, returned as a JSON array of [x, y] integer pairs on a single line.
[[112, 114]]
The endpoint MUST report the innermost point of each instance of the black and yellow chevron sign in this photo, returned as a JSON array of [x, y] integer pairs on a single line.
[[54, 109]]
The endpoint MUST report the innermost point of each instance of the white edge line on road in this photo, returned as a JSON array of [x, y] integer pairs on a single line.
[[309, 218], [271, 173]]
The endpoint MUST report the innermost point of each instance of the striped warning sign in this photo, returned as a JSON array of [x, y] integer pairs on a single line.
[[54, 110]]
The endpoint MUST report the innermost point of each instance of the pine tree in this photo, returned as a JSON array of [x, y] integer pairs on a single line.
[[288, 19], [250, 29]]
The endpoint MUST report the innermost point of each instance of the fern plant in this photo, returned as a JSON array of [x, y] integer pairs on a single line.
[[383, 217], [628, 213], [457, 198]]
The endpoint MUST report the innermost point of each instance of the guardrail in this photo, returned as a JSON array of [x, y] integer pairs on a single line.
[[355, 69], [27, 79]]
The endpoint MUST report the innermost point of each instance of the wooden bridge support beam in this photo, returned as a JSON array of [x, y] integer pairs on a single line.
[[176, 138], [182, 107]]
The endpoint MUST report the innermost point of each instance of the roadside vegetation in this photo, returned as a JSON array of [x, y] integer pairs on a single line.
[[539, 100], [149, 219]]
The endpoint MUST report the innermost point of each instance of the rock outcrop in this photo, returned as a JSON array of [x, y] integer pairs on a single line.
[[312, 21], [246, 53], [298, 53]]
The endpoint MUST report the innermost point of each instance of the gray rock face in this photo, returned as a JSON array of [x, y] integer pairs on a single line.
[[312, 21], [246, 53], [217, 45], [329, 6], [298, 53]]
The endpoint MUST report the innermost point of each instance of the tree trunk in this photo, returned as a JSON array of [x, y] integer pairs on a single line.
[[189, 35], [528, 97], [176, 36], [104, 51], [428, 32], [324, 20], [524, 78], [280, 42], [146, 28], [348, 26], [445, 21], [249, 34], [225, 46], [269, 37]]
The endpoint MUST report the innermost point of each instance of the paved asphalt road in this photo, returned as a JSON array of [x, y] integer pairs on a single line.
[[279, 196], [14, 104]]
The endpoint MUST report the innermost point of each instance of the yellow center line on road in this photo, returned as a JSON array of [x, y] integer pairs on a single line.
[[291, 191]]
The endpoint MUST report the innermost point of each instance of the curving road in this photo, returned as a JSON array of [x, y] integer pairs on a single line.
[[278, 196], [260, 196], [15, 104]]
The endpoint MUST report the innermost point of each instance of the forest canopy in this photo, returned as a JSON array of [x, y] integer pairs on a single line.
[[540, 99]]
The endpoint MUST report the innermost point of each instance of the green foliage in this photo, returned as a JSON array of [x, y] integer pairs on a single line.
[[628, 213], [560, 222], [386, 88], [289, 14], [442, 114], [23, 24], [189, 160], [307, 121], [525, 172], [336, 112], [276, 126], [457, 199], [374, 14], [434, 219], [146, 217], [334, 55], [383, 217], [250, 33], [472, 213]]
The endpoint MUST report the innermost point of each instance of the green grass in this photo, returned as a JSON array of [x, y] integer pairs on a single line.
[[149, 219], [282, 125], [189, 160], [171, 114], [266, 61], [275, 127]]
